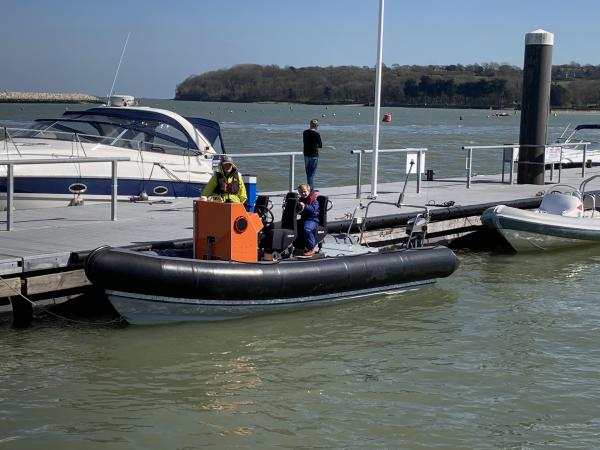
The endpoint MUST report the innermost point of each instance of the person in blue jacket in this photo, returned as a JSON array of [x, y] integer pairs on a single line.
[[308, 208]]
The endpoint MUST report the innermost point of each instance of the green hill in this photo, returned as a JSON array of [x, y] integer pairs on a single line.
[[471, 86]]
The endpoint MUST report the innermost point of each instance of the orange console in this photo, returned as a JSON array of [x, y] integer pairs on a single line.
[[225, 231]]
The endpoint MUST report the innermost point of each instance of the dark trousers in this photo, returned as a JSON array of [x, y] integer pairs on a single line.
[[310, 164], [308, 233]]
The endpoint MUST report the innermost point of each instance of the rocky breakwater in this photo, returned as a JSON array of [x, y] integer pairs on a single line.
[[47, 97]]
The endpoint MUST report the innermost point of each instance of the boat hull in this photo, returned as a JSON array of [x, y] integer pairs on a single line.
[[47, 192], [148, 309], [533, 231], [145, 288]]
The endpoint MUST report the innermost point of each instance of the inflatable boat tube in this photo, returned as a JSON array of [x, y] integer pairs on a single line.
[[153, 288]]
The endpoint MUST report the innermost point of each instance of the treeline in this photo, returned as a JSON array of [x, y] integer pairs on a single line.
[[472, 86]]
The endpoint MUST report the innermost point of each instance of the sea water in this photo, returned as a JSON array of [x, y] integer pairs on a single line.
[[502, 354]]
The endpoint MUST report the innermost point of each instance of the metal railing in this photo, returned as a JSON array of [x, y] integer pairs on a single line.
[[512, 162], [419, 151], [292, 161], [292, 156], [10, 179]]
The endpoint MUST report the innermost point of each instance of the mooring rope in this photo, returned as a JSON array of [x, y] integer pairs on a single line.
[[46, 310]]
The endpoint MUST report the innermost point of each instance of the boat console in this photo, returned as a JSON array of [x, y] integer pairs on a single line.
[[225, 231]]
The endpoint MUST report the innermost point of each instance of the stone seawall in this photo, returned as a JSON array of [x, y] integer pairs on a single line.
[[47, 97]]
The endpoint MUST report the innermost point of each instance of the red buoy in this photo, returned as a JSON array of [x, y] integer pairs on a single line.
[[387, 117]]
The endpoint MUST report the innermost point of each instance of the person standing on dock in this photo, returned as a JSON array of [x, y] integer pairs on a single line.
[[312, 144], [226, 183]]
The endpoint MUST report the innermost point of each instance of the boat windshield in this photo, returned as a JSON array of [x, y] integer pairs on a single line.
[[582, 133], [150, 135]]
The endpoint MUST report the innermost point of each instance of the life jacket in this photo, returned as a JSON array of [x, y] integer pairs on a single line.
[[312, 197], [223, 187], [310, 201]]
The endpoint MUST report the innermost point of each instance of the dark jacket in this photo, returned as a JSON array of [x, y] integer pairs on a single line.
[[312, 142]]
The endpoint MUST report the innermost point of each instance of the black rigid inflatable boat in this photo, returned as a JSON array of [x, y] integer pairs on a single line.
[[242, 264], [148, 288]]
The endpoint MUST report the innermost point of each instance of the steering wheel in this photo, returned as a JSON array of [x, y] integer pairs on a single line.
[[266, 215]]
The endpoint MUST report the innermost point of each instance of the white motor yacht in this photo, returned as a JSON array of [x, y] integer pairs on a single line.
[[170, 156]]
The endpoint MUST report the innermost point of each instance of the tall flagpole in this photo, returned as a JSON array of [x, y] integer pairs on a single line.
[[374, 163]]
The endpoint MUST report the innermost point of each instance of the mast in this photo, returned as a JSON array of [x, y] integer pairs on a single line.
[[118, 67]]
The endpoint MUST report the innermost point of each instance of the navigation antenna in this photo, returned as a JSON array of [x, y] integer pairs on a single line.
[[118, 67]]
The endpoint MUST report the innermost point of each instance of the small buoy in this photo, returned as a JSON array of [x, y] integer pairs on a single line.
[[387, 117], [323, 115]]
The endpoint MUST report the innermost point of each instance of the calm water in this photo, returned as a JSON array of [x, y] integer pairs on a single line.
[[503, 354]]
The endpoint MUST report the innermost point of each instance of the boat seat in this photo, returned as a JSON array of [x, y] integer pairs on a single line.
[[321, 230], [280, 238], [562, 204], [292, 194]]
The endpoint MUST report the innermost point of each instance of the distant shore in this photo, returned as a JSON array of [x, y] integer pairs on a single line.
[[47, 97]]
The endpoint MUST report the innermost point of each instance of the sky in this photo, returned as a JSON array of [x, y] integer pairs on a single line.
[[75, 45]]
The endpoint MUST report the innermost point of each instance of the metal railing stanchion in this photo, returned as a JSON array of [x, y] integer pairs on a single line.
[[292, 166], [10, 188], [469, 162], [419, 171], [511, 177], [113, 198], [358, 174]]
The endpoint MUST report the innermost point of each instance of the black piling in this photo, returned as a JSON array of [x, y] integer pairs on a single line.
[[22, 312], [535, 106]]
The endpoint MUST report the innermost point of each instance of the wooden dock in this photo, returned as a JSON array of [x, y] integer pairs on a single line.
[[42, 257]]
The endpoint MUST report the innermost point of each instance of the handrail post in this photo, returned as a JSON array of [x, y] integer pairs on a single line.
[[359, 174], [292, 164], [469, 162], [9, 197], [113, 199], [419, 171], [511, 165], [585, 146]]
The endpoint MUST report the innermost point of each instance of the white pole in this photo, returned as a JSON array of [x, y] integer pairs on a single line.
[[377, 102]]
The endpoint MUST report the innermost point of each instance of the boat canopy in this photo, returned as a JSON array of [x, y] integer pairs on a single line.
[[201, 134], [210, 129]]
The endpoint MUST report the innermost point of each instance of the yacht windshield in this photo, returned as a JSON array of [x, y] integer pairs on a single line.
[[151, 135]]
